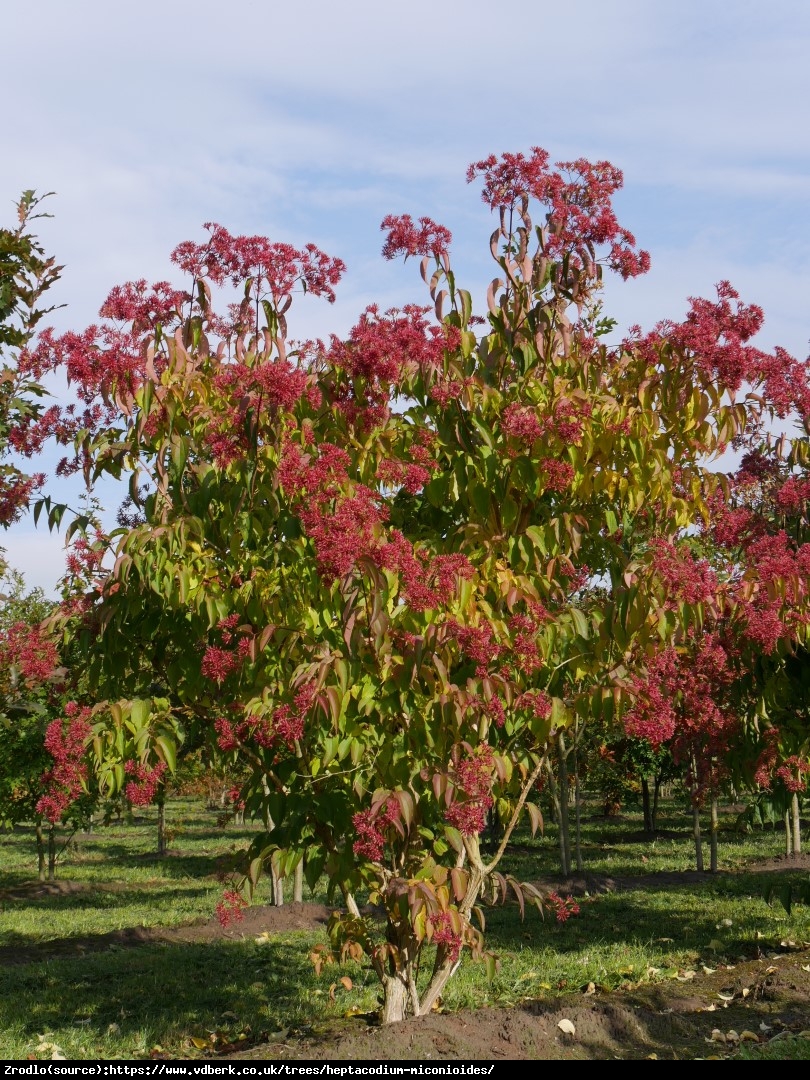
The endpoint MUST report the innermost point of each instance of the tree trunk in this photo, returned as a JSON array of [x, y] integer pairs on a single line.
[[161, 822], [277, 883], [797, 824], [442, 974], [395, 999], [654, 815], [351, 903], [52, 853], [565, 831], [698, 837], [713, 836], [298, 884], [577, 813], [40, 852], [788, 836], [645, 803], [275, 880]]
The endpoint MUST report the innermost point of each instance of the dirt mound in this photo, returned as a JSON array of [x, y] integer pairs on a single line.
[[255, 920], [701, 1016]]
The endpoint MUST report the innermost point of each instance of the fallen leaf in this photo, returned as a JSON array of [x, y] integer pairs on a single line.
[[708, 970], [748, 1036], [717, 1036], [346, 982], [567, 1027], [590, 989]]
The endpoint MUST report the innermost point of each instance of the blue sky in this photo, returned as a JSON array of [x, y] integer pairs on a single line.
[[309, 122]]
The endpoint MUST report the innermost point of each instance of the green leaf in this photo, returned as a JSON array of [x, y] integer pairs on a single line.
[[168, 751], [581, 624]]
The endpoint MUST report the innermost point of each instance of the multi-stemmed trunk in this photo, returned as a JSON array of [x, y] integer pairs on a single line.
[[400, 993], [650, 803]]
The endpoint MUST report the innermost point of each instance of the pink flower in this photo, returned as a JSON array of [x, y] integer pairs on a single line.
[[405, 238], [144, 783]]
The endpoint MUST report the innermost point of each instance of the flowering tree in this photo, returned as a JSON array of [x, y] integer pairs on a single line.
[[364, 563], [36, 761], [26, 273]]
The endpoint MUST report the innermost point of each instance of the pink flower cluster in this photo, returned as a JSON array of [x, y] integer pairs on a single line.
[[526, 424], [218, 663], [684, 578], [379, 351], [144, 783], [426, 582], [274, 268], [768, 756], [474, 778], [563, 906], [793, 773], [30, 650], [522, 423], [372, 828], [286, 722], [229, 909], [653, 715], [144, 306], [405, 238], [683, 700], [15, 494], [793, 495], [536, 702], [410, 477], [579, 204], [715, 336], [559, 474], [477, 643], [444, 934], [65, 741], [272, 383]]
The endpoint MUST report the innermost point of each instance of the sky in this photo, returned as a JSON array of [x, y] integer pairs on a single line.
[[310, 122]]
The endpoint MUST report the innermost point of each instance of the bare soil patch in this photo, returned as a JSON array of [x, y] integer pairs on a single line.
[[703, 1016]]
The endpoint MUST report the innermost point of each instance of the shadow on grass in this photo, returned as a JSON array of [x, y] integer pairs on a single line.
[[670, 917], [161, 993]]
